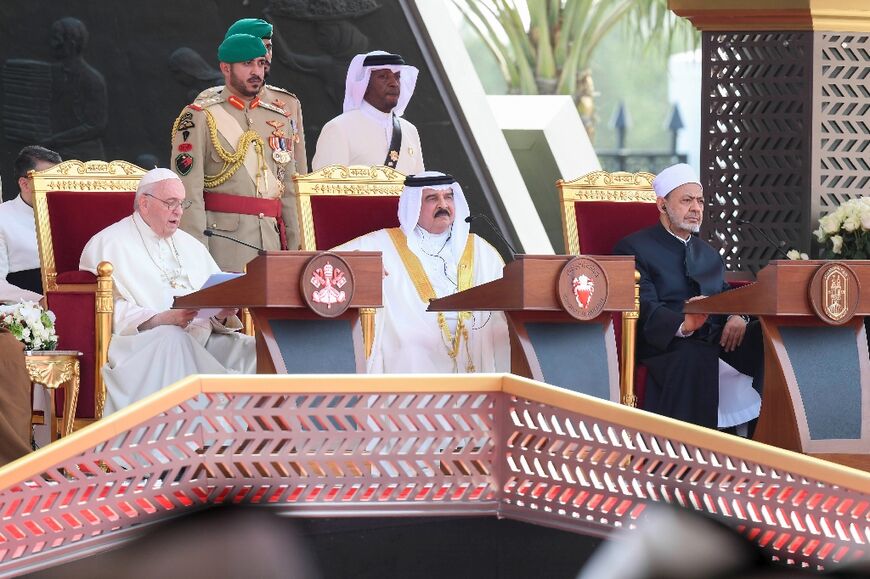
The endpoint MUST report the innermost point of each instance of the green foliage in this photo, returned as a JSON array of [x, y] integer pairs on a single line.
[[546, 46]]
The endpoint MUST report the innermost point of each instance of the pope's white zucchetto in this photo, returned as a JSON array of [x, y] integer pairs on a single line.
[[155, 176], [672, 177]]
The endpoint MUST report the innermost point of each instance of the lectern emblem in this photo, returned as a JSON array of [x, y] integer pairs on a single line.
[[327, 285], [582, 288], [329, 280], [834, 293]]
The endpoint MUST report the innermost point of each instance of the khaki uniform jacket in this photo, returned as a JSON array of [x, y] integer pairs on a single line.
[[277, 119]]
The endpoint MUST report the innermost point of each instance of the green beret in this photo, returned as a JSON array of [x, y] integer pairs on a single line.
[[253, 26], [241, 48]]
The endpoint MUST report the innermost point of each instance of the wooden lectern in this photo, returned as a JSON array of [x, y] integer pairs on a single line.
[[305, 307], [561, 324], [816, 397]]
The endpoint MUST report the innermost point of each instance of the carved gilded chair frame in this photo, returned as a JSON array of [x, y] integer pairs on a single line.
[[609, 187], [341, 181], [75, 175]]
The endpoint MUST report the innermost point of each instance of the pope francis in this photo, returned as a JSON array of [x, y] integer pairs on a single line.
[[152, 345], [432, 254]]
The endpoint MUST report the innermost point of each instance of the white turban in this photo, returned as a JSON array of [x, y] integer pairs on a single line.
[[358, 81], [672, 177], [411, 202]]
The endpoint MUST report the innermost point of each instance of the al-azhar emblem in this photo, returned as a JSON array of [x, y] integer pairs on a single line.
[[584, 287]]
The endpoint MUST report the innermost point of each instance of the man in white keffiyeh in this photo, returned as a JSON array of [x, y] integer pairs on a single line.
[[432, 254], [370, 131]]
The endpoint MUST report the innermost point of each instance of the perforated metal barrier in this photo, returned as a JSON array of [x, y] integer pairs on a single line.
[[406, 446]]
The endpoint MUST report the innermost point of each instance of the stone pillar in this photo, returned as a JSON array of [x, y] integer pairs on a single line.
[[785, 118]]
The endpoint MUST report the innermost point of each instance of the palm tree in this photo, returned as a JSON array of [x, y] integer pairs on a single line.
[[545, 46]]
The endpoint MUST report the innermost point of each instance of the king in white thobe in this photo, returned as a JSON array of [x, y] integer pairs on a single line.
[[408, 339], [149, 272]]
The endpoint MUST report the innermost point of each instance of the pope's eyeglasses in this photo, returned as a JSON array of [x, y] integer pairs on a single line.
[[172, 204]]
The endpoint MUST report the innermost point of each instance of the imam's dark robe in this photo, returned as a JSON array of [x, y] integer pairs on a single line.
[[683, 373]]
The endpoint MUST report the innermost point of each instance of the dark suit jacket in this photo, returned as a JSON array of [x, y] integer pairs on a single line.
[[668, 277]]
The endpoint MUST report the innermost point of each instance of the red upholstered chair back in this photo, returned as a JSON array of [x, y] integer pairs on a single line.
[[337, 204], [76, 216], [72, 202], [338, 219], [599, 209]]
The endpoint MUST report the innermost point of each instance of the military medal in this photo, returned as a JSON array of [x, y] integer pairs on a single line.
[[282, 157], [280, 144]]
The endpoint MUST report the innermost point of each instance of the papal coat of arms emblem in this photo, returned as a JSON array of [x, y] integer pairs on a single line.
[[582, 288], [327, 285], [328, 281]]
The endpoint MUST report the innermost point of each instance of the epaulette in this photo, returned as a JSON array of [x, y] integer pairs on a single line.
[[207, 102], [209, 92], [279, 89]]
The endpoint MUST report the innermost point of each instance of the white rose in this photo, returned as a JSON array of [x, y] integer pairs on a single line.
[[805, 257], [830, 224], [837, 242], [852, 223], [793, 254]]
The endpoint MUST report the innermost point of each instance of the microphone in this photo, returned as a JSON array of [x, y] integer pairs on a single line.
[[495, 229], [777, 246], [212, 233]]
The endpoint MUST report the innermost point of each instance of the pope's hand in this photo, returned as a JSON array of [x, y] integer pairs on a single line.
[[226, 313], [180, 318]]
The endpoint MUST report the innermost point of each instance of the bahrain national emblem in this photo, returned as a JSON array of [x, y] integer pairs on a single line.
[[582, 288], [327, 285]]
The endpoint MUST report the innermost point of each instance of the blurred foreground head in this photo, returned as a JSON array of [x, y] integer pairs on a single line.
[[674, 543], [223, 542]]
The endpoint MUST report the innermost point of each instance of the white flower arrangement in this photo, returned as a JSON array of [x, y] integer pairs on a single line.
[[844, 233], [30, 324], [796, 255]]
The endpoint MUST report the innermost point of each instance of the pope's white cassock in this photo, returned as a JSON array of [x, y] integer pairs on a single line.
[[361, 135], [408, 339], [148, 273]]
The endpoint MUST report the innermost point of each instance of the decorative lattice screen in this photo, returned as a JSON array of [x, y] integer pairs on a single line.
[[842, 101], [785, 136], [405, 446], [755, 141]]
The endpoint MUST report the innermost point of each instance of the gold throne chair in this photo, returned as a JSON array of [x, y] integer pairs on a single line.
[[598, 209], [337, 204], [73, 201]]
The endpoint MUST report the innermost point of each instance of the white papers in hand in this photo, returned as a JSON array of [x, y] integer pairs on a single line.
[[215, 279]]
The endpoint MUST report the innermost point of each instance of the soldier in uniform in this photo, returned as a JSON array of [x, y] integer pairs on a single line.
[[236, 148]]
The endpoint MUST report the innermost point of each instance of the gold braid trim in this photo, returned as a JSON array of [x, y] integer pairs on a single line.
[[232, 161], [427, 292]]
